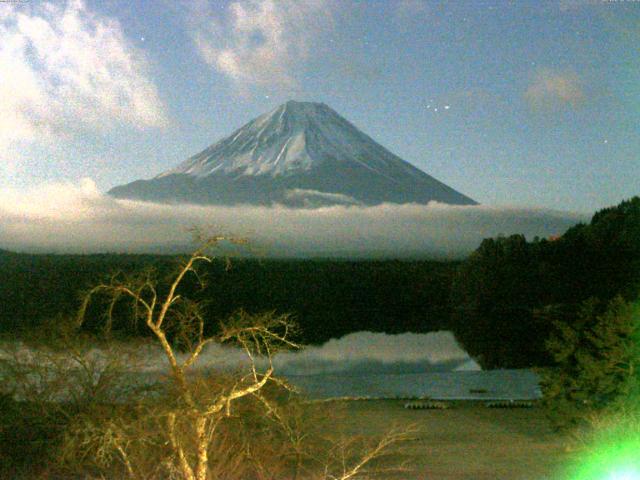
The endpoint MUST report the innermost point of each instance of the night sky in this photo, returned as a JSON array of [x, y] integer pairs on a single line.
[[519, 104]]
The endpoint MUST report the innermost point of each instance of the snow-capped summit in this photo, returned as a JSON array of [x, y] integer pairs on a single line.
[[301, 154]]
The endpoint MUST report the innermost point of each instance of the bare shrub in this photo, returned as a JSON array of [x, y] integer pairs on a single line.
[[48, 382]]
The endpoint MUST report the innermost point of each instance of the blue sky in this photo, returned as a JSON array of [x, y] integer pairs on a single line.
[[525, 104]]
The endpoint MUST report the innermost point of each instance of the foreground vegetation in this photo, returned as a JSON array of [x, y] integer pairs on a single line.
[[69, 413]]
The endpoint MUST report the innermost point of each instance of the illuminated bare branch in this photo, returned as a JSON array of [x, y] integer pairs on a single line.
[[201, 404]]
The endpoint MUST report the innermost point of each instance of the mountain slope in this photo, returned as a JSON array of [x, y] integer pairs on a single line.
[[300, 154]]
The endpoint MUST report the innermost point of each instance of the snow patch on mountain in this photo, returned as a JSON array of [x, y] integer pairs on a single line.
[[294, 137]]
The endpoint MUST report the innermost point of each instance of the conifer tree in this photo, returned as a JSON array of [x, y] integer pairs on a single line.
[[597, 359]]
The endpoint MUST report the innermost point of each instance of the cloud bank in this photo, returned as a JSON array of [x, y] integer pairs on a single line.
[[259, 42], [64, 70], [80, 219]]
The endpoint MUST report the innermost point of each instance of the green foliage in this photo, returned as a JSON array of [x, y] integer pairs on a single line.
[[507, 292], [597, 361]]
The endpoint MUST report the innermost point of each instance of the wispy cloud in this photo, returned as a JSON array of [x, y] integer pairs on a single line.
[[259, 42], [551, 90], [78, 218], [64, 70]]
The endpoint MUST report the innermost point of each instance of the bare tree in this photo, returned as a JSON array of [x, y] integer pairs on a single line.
[[191, 421], [265, 335]]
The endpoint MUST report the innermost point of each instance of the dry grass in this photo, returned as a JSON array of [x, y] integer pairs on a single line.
[[467, 442]]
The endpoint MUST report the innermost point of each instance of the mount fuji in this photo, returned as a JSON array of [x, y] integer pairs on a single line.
[[301, 154]]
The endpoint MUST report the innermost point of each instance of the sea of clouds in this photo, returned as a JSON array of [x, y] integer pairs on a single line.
[[78, 218]]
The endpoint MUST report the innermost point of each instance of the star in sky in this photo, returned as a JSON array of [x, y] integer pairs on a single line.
[[435, 109]]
